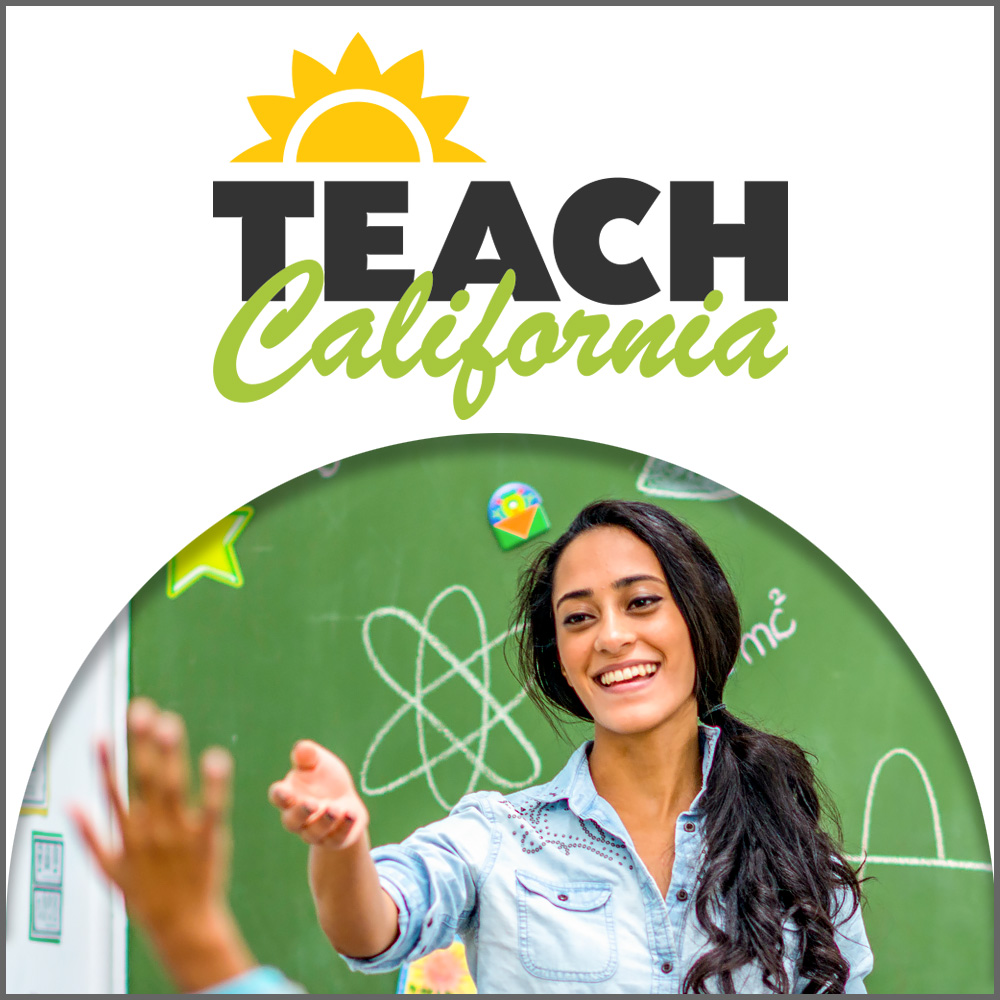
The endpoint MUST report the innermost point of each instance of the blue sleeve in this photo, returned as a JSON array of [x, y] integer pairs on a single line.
[[263, 979], [853, 944], [433, 877], [851, 939]]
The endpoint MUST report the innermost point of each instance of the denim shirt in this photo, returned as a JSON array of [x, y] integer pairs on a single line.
[[546, 890]]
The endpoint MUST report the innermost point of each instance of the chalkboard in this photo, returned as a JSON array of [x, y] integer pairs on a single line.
[[370, 615]]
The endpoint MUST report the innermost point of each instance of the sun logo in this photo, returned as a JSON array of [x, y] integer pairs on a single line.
[[358, 115]]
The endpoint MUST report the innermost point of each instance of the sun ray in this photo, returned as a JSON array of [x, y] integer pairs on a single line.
[[311, 80], [276, 114], [446, 151], [395, 124], [440, 114], [405, 80], [359, 65], [268, 151]]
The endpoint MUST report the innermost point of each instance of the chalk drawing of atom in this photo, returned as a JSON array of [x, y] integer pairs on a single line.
[[473, 746]]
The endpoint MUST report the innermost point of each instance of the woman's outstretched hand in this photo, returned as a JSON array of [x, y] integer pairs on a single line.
[[318, 802], [317, 799], [173, 861]]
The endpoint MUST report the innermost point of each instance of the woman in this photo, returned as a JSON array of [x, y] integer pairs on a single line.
[[669, 855]]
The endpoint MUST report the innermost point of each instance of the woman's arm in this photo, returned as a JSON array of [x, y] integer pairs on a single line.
[[355, 912], [319, 803]]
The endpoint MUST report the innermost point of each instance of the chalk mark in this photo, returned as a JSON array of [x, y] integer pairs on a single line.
[[664, 479], [939, 860], [770, 628], [491, 713]]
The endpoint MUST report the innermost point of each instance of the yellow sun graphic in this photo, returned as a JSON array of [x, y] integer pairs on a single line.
[[358, 115]]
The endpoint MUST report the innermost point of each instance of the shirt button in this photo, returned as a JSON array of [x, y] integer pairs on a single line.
[[689, 827], [666, 967], [562, 897], [682, 895]]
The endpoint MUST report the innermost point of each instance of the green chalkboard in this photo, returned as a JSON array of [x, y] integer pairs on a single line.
[[350, 573]]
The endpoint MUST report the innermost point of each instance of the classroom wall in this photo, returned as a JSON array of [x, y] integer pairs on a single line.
[[370, 614], [65, 926]]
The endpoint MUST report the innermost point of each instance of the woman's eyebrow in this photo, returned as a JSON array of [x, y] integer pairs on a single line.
[[625, 581], [574, 593]]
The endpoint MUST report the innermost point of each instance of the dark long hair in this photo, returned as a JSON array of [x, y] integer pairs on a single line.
[[768, 863]]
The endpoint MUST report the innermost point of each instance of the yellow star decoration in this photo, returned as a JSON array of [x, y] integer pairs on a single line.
[[211, 554]]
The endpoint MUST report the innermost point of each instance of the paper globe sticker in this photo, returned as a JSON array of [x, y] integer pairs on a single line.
[[516, 514]]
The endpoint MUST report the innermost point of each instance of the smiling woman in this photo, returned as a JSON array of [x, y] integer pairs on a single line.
[[631, 623], [669, 855], [623, 645]]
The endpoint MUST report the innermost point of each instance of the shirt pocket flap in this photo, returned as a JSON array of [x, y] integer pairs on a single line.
[[570, 895]]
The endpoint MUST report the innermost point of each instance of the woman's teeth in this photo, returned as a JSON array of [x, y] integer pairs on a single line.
[[627, 674]]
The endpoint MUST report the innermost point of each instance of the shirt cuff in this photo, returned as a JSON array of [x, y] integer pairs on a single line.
[[406, 894], [263, 979]]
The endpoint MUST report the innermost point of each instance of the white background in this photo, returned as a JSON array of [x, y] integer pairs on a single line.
[[873, 438]]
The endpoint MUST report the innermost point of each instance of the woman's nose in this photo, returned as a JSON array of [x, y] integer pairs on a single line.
[[614, 634]]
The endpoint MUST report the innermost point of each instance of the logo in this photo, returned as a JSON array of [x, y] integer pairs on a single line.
[[462, 311], [358, 115]]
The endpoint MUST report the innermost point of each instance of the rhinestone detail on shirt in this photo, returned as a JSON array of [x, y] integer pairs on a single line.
[[534, 823]]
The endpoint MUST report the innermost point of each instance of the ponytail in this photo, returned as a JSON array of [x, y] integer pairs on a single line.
[[768, 865]]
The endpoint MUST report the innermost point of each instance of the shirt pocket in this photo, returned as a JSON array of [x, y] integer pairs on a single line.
[[566, 931]]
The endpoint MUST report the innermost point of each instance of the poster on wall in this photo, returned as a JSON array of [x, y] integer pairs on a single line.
[[35, 800], [325, 321]]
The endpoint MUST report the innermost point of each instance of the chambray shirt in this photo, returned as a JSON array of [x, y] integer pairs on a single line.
[[546, 890]]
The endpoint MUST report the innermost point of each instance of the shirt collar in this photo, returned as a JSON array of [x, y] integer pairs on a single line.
[[574, 783]]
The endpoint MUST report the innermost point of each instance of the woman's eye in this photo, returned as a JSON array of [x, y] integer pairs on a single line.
[[645, 602], [575, 619]]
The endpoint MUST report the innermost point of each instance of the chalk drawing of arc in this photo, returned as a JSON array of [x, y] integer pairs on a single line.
[[940, 860], [492, 712]]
